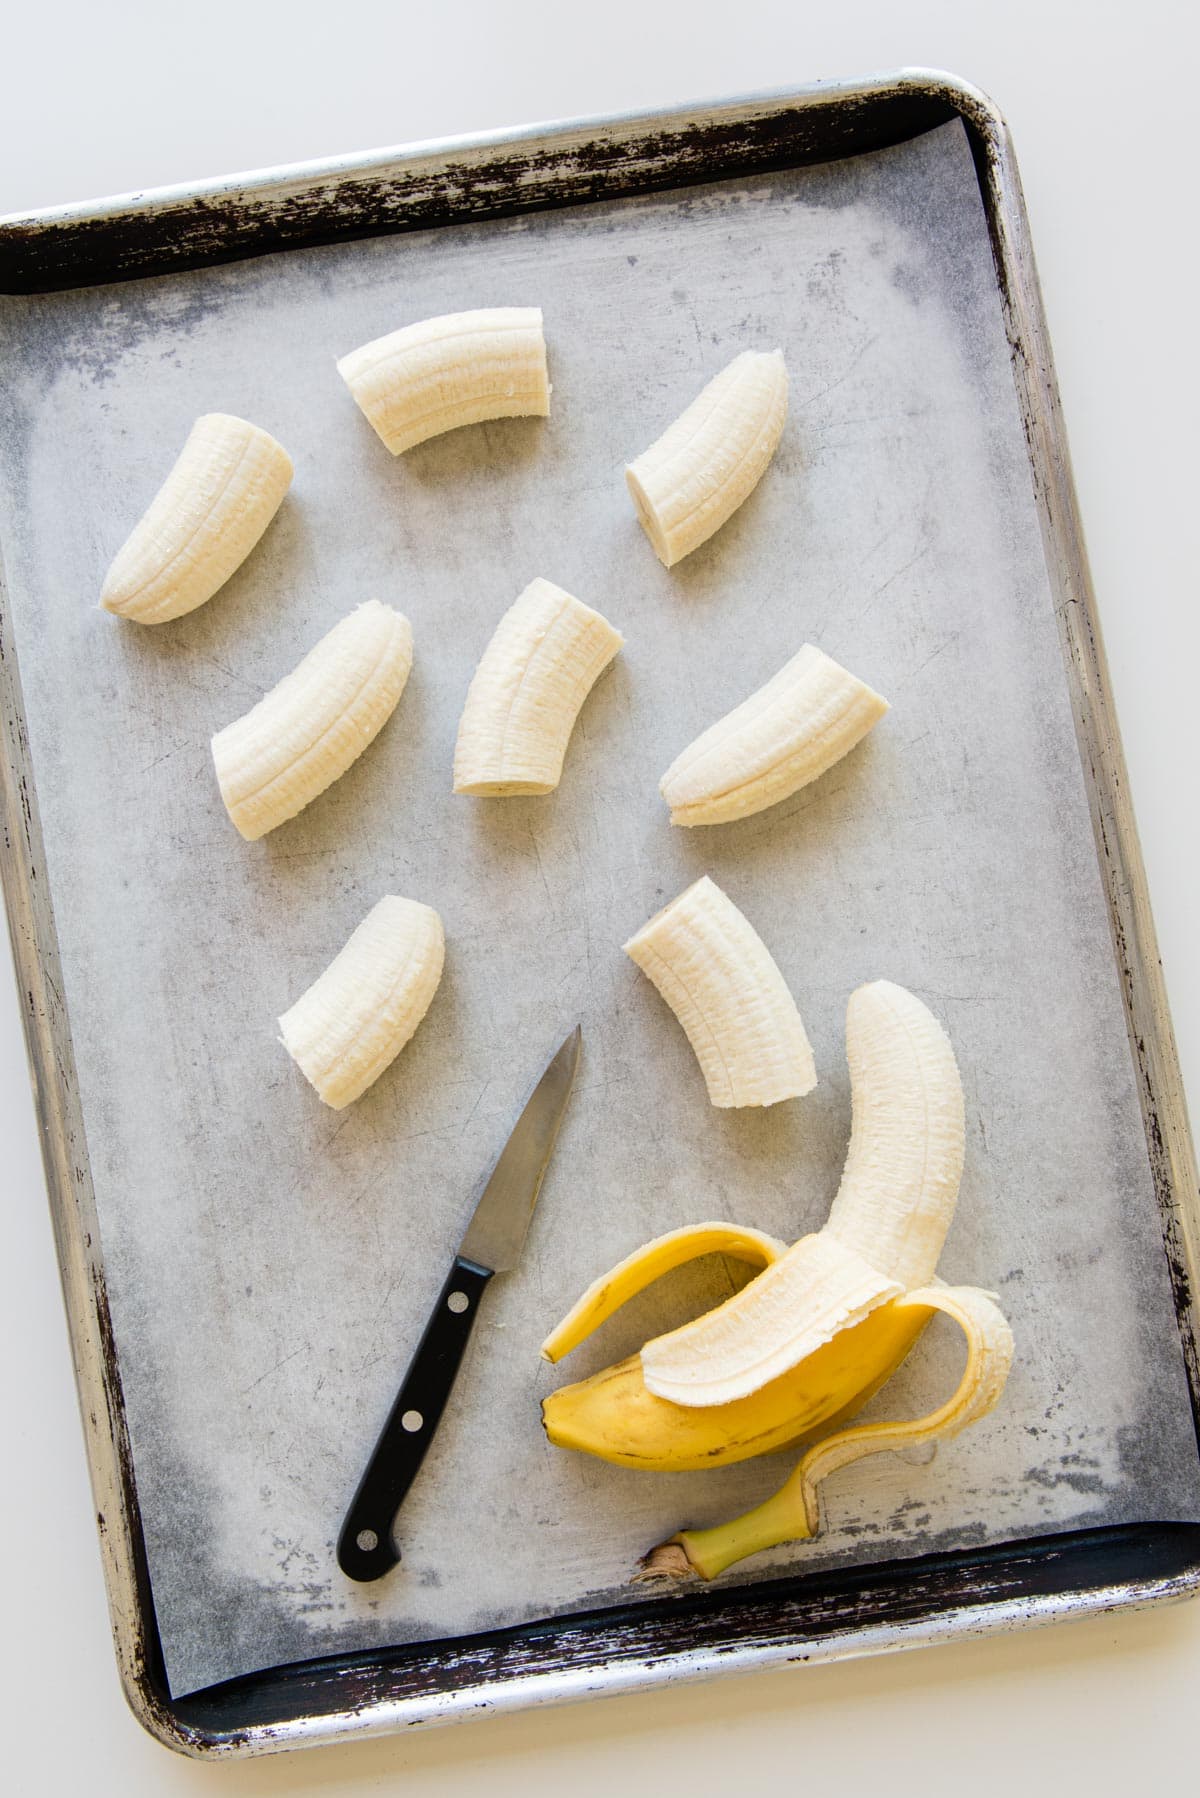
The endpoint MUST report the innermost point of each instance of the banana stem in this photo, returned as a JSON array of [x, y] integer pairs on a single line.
[[781, 1518]]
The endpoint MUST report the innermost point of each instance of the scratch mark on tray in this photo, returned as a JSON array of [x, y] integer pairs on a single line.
[[537, 856], [931, 657], [336, 1132], [572, 970], [229, 673], [386, 1300], [299, 855], [164, 757], [921, 550], [961, 998], [376, 1353], [478, 1102], [166, 725], [812, 398], [282, 1362]]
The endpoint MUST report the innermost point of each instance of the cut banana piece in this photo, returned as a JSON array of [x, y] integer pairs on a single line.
[[203, 522], [803, 720], [357, 1016], [316, 722], [900, 1183], [547, 652], [802, 1301], [794, 1513], [688, 483], [717, 975], [455, 370]]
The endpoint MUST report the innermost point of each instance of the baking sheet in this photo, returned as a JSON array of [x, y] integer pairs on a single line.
[[270, 1263]]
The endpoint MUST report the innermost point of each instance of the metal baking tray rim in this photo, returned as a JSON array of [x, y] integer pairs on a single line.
[[283, 178]]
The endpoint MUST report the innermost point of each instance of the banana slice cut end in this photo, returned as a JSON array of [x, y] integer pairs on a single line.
[[643, 505]]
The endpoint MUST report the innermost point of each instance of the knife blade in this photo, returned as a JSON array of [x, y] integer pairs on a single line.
[[491, 1245]]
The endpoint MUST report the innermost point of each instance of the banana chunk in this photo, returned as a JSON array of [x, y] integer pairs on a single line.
[[694, 478], [543, 660], [213, 507], [309, 729], [718, 977], [787, 734], [357, 1016], [455, 370]]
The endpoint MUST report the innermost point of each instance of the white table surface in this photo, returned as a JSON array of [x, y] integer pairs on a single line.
[[107, 99]]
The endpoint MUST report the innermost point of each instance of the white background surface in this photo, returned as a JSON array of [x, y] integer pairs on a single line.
[[99, 100]]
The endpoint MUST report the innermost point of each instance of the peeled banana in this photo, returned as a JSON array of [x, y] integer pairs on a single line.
[[357, 1016], [808, 1341], [445, 372], [696, 475], [803, 720], [211, 510], [547, 652], [318, 720], [716, 973]]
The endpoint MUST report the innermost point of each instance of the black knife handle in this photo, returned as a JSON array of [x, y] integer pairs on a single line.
[[365, 1549]]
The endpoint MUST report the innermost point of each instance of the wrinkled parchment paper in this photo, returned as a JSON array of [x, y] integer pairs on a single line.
[[271, 1263]]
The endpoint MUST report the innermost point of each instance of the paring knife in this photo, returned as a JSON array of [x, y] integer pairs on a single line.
[[492, 1245]]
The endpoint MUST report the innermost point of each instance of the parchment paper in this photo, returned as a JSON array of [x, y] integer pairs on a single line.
[[270, 1262]]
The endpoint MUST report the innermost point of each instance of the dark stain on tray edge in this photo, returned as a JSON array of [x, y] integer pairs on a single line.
[[797, 1615], [40, 257]]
